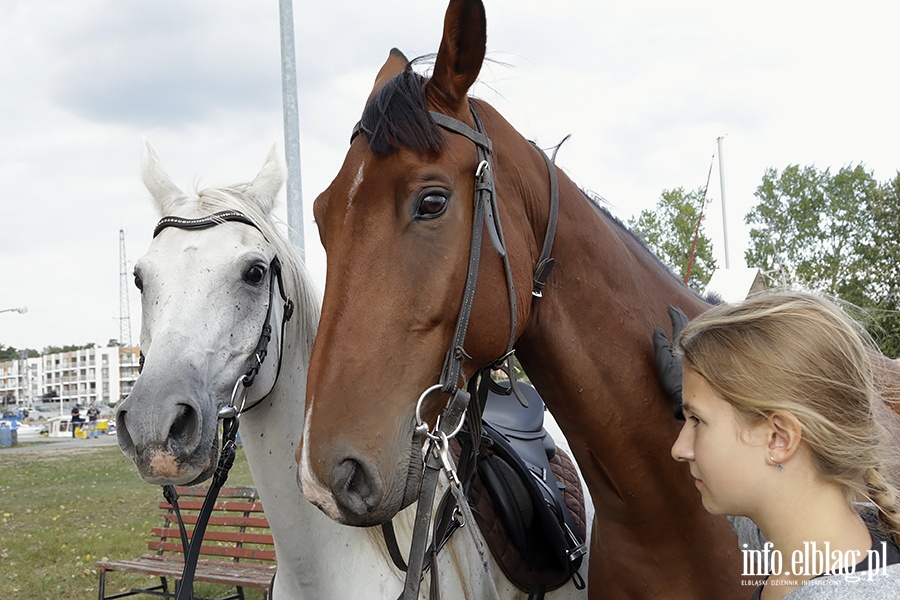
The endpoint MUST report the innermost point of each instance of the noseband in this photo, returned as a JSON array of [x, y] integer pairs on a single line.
[[230, 414]]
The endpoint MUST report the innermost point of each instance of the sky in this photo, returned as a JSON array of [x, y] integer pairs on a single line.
[[645, 88]]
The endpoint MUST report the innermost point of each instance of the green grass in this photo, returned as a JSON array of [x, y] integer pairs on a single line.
[[60, 511]]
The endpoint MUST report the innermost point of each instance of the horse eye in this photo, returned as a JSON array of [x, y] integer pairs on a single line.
[[431, 206], [138, 282], [255, 274]]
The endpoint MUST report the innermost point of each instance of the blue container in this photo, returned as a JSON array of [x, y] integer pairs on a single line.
[[6, 437]]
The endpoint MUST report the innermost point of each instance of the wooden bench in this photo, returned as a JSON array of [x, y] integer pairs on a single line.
[[237, 538]]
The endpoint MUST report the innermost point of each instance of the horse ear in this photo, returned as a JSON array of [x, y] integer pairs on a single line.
[[157, 181], [459, 57], [268, 182], [396, 62]]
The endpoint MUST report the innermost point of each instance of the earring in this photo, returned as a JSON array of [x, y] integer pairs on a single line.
[[777, 464]]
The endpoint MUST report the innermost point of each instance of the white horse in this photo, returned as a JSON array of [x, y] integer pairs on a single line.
[[205, 296]]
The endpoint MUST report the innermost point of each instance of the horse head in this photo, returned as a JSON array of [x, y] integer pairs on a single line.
[[396, 224], [211, 283]]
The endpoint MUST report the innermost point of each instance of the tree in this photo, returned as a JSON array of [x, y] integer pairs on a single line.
[[11, 353], [668, 231], [834, 233], [67, 348]]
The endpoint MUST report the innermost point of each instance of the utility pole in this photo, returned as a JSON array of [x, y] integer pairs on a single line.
[[124, 310], [291, 128], [722, 184]]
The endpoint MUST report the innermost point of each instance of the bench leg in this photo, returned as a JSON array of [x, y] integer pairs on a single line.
[[159, 590]]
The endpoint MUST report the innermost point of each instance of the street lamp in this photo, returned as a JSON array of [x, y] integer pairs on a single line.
[[19, 309]]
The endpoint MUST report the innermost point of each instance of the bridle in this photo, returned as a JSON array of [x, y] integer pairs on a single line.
[[230, 414], [436, 450]]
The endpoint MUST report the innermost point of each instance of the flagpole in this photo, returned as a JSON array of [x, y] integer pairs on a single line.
[[722, 185]]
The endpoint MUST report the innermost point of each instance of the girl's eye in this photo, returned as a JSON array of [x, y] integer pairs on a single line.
[[255, 274], [432, 206], [694, 420]]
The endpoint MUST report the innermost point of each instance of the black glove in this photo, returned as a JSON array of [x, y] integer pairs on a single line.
[[668, 366]]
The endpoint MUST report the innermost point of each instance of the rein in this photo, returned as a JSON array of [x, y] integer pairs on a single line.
[[486, 214], [230, 414]]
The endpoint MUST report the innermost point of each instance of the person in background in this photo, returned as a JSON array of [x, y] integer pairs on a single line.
[[92, 413], [77, 419], [785, 425]]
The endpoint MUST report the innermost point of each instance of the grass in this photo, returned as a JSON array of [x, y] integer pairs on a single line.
[[60, 511]]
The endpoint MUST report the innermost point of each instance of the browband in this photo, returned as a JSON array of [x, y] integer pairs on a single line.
[[204, 222]]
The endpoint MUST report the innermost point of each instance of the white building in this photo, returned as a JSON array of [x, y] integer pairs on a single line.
[[20, 380], [102, 375]]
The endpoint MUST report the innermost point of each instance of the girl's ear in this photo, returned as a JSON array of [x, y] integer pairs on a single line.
[[784, 435]]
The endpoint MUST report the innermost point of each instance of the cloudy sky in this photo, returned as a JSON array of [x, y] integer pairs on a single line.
[[644, 87]]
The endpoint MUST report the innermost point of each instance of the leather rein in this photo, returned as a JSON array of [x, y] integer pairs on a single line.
[[230, 414], [436, 449]]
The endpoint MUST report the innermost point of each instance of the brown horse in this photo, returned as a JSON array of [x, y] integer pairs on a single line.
[[396, 224]]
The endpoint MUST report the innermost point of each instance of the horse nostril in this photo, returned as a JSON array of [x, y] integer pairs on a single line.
[[185, 427], [356, 487], [124, 438]]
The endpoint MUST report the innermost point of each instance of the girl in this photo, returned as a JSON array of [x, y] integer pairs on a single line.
[[784, 425]]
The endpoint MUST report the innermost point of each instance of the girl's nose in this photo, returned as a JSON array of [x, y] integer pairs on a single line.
[[683, 448]]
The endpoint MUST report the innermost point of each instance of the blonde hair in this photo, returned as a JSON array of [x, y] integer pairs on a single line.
[[799, 353]]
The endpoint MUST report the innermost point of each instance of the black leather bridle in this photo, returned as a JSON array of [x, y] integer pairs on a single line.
[[230, 414], [436, 449]]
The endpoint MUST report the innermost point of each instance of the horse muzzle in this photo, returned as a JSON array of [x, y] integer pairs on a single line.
[[167, 442], [356, 493]]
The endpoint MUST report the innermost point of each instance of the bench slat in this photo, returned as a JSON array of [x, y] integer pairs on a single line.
[[237, 537], [230, 551], [236, 574], [241, 507], [259, 522], [234, 491]]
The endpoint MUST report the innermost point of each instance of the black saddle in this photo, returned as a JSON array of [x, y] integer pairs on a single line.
[[525, 477]]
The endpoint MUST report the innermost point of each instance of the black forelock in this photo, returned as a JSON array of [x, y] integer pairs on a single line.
[[397, 116]]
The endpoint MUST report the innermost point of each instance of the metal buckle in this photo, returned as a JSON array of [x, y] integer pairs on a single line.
[[580, 548]]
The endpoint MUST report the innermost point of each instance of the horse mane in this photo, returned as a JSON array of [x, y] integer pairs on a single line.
[[298, 283], [397, 116]]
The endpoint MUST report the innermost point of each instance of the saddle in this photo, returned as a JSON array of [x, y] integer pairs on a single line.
[[526, 495]]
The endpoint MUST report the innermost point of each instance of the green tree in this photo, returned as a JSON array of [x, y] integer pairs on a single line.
[[12, 353], [878, 286], [669, 229], [67, 348], [834, 233]]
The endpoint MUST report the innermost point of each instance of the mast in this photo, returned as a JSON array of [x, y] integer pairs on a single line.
[[124, 308], [722, 184]]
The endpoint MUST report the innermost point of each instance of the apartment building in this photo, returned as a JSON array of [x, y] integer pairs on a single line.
[[102, 375], [20, 380]]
